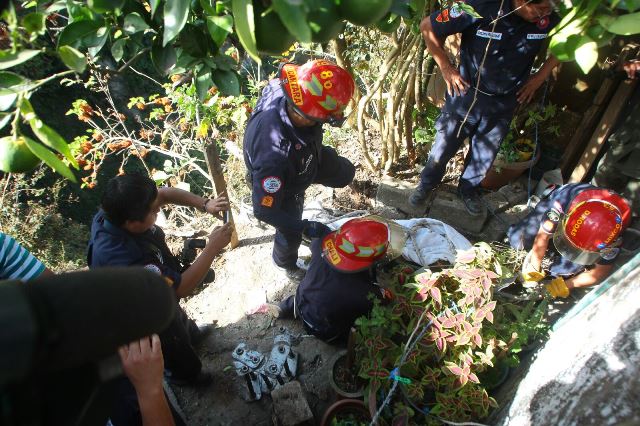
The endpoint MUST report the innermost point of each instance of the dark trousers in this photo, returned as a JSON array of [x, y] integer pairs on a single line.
[[180, 358], [486, 134], [333, 171], [290, 309]]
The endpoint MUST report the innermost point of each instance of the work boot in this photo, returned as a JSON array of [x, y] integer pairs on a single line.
[[419, 197], [293, 274], [472, 202]]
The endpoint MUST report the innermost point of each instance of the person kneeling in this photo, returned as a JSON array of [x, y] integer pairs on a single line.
[[341, 277]]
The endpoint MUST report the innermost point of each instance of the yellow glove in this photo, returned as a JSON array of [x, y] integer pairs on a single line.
[[558, 288], [529, 273]]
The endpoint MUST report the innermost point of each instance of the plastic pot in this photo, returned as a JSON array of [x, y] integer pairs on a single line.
[[346, 409], [337, 362]]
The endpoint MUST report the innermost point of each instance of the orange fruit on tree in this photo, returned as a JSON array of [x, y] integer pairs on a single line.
[[364, 12], [15, 156]]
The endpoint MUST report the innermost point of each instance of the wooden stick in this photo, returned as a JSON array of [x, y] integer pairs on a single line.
[[215, 169], [351, 348]]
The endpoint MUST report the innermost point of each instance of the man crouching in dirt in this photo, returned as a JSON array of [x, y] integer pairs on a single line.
[[123, 234], [284, 154], [341, 276]]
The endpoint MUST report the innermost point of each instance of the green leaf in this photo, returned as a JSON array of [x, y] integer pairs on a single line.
[[175, 16], [209, 9], [219, 27], [46, 134], [587, 54], [625, 24], [245, 26], [194, 41], [34, 22], [5, 118], [133, 23], [75, 33], [11, 85], [203, 83], [227, 82], [102, 6], [97, 42], [8, 60], [164, 58], [154, 6], [468, 9], [50, 158], [117, 49], [294, 17], [72, 58]]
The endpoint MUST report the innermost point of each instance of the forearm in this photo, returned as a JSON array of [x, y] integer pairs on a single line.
[[180, 197], [590, 277], [434, 44], [548, 67], [539, 248], [195, 273], [154, 409]]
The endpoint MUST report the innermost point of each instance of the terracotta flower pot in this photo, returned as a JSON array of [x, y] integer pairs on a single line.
[[502, 173], [346, 409]]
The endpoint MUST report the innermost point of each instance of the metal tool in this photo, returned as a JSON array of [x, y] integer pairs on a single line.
[[263, 375]]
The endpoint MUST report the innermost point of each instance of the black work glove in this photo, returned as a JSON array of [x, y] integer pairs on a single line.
[[313, 229]]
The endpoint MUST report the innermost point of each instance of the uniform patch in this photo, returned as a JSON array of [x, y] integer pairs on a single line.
[[455, 11], [267, 201], [153, 268], [543, 22], [609, 253], [271, 184], [489, 34], [443, 16], [536, 36]]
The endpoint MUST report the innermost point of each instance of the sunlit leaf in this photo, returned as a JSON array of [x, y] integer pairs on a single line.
[[219, 27], [72, 58], [75, 33], [294, 18], [175, 16], [117, 49], [245, 26], [8, 59], [50, 159], [133, 23], [627, 24], [34, 22], [587, 54]]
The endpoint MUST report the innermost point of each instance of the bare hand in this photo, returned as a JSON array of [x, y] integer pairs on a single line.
[[220, 236], [143, 364], [526, 92], [217, 205], [455, 83], [632, 68]]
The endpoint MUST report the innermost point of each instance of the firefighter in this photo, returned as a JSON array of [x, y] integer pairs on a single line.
[[496, 55], [336, 289], [284, 154], [585, 224]]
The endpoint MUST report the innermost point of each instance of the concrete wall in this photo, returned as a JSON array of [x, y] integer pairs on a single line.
[[588, 371]]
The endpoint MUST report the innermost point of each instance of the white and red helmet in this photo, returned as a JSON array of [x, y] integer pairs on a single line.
[[592, 225]]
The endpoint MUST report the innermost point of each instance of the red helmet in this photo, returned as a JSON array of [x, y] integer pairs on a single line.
[[318, 90], [356, 245], [592, 225]]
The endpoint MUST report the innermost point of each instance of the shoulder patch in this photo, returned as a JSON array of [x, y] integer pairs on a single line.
[[153, 268], [271, 184], [267, 201], [543, 22], [443, 16], [609, 253], [455, 11]]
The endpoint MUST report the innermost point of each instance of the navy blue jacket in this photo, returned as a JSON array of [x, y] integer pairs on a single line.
[[111, 245], [282, 159], [514, 46]]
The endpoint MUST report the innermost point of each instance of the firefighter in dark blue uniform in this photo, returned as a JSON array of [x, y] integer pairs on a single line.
[[284, 154], [338, 286], [497, 82]]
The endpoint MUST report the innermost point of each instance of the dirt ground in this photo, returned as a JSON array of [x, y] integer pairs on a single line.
[[245, 278]]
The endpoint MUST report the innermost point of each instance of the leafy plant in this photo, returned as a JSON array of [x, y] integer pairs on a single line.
[[522, 133]]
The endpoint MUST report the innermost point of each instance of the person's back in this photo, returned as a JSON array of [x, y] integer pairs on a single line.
[[17, 263]]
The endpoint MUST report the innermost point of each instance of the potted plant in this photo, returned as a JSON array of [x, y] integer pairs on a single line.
[[517, 151], [346, 412], [343, 377]]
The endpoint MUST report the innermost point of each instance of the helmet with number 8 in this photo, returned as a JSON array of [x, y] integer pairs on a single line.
[[590, 229], [357, 245], [318, 90]]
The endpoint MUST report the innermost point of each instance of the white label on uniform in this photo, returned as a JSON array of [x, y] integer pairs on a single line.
[[489, 34], [536, 36], [271, 184]]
